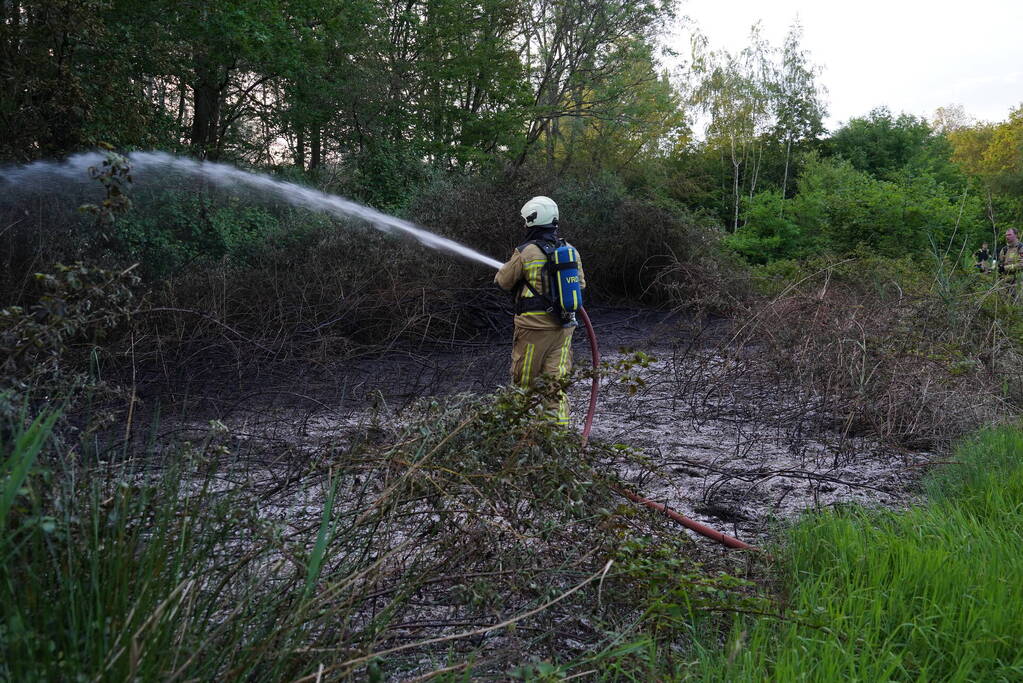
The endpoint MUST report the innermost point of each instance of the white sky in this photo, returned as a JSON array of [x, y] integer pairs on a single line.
[[910, 55]]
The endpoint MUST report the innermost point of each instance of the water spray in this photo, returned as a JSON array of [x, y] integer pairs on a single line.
[[229, 177]]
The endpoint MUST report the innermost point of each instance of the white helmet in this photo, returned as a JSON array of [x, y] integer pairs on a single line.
[[540, 211]]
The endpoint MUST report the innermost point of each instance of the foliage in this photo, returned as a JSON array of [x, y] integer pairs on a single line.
[[769, 234], [629, 119], [882, 144], [114, 174], [68, 75], [991, 153], [47, 346], [838, 210], [454, 84], [764, 107], [177, 228]]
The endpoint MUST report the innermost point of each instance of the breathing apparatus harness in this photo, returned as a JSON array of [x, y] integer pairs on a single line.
[[560, 273]]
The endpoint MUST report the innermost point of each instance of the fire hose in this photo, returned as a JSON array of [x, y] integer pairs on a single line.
[[691, 524]]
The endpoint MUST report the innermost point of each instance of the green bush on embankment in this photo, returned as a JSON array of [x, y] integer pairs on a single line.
[[931, 593]]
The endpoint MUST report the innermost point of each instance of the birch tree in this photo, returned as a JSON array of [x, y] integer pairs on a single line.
[[736, 92], [799, 106]]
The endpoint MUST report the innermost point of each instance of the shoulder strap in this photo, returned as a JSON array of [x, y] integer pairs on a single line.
[[543, 245], [547, 248]]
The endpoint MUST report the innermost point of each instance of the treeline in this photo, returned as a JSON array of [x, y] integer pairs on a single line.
[[387, 101], [376, 86], [897, 186]]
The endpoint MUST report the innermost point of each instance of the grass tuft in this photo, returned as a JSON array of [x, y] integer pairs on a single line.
[[931, 593]]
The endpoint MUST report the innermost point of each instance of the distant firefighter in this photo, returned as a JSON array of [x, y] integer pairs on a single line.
[[1010, 262], [1010, 257]]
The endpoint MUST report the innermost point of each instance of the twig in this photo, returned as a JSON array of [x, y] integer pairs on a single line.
[[467, 634]]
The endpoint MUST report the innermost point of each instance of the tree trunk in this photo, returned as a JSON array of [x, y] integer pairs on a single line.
[[181, 106], [757, 159], [317, 149], [206, 114], [736, 165], [552, 132], [785, 176], [300, 147], [735, 196]]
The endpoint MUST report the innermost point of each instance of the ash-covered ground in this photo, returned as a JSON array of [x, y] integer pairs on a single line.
[[731, 446]]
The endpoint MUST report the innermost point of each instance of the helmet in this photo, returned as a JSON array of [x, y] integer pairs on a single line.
[[540, 211]]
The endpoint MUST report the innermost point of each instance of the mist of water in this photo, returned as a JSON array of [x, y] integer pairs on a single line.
[[75, 171]]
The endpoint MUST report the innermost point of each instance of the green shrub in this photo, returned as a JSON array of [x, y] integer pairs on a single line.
[[838, 210], [49, 345], [174, 228]]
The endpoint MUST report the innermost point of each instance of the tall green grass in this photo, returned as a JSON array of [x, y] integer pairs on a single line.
[[929, 594], [160, 572]]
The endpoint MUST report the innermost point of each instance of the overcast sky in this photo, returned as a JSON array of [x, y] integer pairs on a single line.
[[910, 55]]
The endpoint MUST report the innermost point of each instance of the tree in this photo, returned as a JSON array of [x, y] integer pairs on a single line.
[[880, 143], [993, 155], [573, 51], [736, 92], [636, 123], [840, 209], [799, 108], [1003, 158], [951, 118], [469, 95], [68, 79]]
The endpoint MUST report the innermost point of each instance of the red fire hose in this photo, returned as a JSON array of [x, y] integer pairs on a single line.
[[701, 529], [595, 353]]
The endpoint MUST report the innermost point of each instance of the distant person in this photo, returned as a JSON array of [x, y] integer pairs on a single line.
[[543, 340], [983, 258], [1010, 258]]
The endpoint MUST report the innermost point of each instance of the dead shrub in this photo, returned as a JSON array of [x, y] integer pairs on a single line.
[[904, 362], [634, 249]]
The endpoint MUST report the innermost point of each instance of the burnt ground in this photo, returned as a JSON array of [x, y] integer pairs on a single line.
[[729, 448]]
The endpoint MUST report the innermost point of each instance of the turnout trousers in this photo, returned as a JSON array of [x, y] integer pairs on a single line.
[[543, 352]]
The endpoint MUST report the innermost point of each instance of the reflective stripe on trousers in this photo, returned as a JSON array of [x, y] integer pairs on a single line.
[[543, 352]]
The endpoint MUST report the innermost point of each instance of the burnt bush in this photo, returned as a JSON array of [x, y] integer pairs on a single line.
[[628, 244], [888, 347], [330, 291], [473, 539], [233, 283]]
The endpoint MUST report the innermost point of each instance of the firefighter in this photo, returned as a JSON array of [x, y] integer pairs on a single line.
[[1010, 259], [542, 344]]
